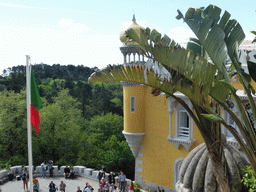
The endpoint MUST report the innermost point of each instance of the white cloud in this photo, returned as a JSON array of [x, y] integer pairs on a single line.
[[20, 6], [181, 35], [72, 26], [75, 44], [65, 23], [249, 36]]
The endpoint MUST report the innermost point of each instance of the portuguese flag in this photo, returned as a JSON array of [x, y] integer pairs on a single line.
[[36, 103]]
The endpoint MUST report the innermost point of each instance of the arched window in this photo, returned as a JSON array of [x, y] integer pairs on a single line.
[[183, 123]]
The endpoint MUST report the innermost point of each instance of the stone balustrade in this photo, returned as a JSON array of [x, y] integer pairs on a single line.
[[79, 170], [88, 172], [3, 173]]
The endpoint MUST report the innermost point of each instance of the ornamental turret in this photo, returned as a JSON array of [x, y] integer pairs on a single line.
[[129, 46], [133, 94]]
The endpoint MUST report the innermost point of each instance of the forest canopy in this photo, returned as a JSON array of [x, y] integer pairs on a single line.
[[81, 123]]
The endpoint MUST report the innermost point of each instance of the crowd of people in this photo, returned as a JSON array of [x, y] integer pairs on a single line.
[[50, 167], [53, 187], [106, 184], [109, 184], [69, 173]]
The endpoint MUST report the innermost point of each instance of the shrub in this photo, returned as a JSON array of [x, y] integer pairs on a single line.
[[249, 179], [136, 188]]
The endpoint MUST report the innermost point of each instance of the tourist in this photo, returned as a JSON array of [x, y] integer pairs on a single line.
[[103, 168], [106, 187], [87, 188], [122, 179], [119, 179], [111, 178], [66, 172], [35, 184], [52, 187], [35, 188], [62, 186], [50, 166], [115, 189], [86, 185], [111, 189], [72, 173], [158, 189], [131, 188], [43, 168], [25, 177], [78, 189], [100, 175], [102, 184]]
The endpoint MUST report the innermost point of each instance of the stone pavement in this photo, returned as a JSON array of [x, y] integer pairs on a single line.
[[17, 186]]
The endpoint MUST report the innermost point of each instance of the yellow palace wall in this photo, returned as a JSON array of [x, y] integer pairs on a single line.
[[159, 154], [134, 122], [152, 117]]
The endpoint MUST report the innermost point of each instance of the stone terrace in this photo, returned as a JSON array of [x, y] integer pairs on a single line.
[[83, 175]]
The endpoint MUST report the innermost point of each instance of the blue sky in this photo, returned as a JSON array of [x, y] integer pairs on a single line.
[[87, 32]]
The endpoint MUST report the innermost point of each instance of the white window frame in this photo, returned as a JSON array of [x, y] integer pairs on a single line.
[[132, 104], [177, 140], [178, 121]]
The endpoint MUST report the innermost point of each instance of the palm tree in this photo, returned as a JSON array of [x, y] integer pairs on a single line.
[[199, 73]]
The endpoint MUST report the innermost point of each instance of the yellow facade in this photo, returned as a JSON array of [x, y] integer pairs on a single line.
[[159, 154], [151, 116], [134, 122]]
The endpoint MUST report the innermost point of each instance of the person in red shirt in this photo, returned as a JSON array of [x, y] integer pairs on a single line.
[[131, 188]]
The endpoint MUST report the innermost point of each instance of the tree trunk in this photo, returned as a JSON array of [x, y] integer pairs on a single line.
[[219, 167]]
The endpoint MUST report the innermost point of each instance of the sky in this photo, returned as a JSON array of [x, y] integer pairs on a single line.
[[83, 32]]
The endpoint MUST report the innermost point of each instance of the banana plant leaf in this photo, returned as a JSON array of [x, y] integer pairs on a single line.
[[151, 74], [190, 65]]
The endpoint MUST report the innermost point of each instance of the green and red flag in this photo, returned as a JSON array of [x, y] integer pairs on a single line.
[[36, 103]]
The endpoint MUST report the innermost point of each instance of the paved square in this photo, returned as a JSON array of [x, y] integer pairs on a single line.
[[17, 186]]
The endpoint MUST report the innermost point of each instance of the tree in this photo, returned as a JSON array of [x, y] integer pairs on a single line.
[[201, 80], [13, 129], [103, 143], [60, 130]]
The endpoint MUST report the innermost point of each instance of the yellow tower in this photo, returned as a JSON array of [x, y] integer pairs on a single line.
[[134, 94]]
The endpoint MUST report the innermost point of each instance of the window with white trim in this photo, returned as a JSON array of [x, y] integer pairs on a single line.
[[132, 104], [183, 129], [183, 123]]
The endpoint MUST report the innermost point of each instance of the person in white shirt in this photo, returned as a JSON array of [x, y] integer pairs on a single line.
[[43, 168], [122, 179], [87, 188]]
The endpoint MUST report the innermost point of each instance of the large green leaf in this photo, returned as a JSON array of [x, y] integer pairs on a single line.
[[210, 34], [148, 75], [190, 65], [212, 117]]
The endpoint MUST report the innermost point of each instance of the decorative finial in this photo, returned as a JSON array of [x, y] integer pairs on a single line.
[[133, 19]]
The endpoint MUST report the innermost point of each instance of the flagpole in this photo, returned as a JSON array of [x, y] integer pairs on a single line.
[[28, 77]]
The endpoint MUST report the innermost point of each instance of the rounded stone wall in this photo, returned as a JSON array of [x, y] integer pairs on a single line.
[[196, 172]]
